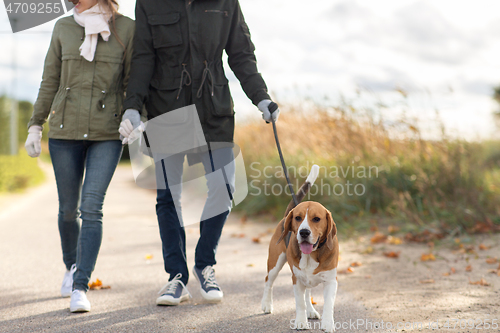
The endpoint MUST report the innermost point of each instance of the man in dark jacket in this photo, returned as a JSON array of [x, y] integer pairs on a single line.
[[177, 62]]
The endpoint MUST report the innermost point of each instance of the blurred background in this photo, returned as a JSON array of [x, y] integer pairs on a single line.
[[409, 86]]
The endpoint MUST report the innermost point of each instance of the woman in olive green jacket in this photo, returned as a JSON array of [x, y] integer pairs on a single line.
[[85, 75]]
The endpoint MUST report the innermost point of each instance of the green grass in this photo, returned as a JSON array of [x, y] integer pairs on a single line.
[[19, 172]]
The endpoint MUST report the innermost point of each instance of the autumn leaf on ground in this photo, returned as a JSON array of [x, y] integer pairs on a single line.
[[312, 301], [427, 257], [452, 271], [250, 265], [491, 261], [256, 240], [368, 250], [394, 240], [378, 238], [238, 235], [148, 256], [427, 281], [392, 254], [483, 247], [392, 229], [481, 282], [243, 219], [346, 271], [468, 268], [97, 284], [356, 264]]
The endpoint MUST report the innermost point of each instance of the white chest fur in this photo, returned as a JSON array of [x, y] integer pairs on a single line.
[[304, 273]]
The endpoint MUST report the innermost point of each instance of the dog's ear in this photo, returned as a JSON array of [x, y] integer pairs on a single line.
[[287, 226], [331, 230]]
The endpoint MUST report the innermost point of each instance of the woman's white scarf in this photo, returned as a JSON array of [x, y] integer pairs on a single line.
[[95, 21]]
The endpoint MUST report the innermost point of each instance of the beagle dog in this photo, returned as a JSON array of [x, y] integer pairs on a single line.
[[306, 238]]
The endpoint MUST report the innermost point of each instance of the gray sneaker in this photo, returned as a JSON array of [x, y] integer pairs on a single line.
[[173, 292], [210, 290]]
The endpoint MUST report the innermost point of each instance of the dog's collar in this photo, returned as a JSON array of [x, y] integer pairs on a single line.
[[321, 244]]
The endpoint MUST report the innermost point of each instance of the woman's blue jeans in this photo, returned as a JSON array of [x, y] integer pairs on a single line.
[[83, 171]]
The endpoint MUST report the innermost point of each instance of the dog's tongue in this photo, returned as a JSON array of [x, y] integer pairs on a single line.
[[306, 248]]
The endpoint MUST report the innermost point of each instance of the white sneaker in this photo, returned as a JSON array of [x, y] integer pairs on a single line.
[[79, 302], [67, 284]]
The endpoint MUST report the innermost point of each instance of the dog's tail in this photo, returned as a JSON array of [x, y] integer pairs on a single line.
[[304, 188]]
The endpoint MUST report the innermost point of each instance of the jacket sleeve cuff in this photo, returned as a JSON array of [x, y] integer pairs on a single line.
[[259, 96]]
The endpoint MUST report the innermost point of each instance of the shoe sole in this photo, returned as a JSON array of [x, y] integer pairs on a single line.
[[204, 294], [79, 309], [183, 298]]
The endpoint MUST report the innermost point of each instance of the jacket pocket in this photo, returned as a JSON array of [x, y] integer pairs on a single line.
[[105, 116], [58, 109], [222, 101], [165, 29]]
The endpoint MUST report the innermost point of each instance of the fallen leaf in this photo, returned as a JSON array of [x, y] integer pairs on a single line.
[[392, 254], [148, 256], [427, 281], [468, 268], [312, 301], [392, 229], [368, 250], [356, 264], [256, 240], [97, 284], [238, 235], [491, 261], [346, 271], [250, 265], [483, 247], [427, 257], [394, 240], [373, 228], [243, 219], [453, 270], [378, 238], [481, 282], [446, 274]]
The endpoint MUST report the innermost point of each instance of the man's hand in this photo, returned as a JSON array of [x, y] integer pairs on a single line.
[[32, 145], [266, 114], [131, 119]]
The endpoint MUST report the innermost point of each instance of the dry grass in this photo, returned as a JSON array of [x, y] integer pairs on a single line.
[[446, 183]]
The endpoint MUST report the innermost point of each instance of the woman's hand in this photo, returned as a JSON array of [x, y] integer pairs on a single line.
[[33, 142]]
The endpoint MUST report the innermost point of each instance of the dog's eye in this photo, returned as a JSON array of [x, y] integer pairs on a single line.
[[316, 219], [298, 218]]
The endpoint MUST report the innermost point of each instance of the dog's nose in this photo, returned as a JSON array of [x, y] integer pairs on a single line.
[[304, 233]]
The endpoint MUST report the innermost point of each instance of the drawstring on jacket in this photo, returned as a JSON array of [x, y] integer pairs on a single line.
[[188, 79], [206, 72]]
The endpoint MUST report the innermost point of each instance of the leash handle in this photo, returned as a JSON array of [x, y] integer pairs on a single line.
[[273, 107]]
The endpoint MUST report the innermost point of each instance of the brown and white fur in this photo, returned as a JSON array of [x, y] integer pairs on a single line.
[[313, 231]]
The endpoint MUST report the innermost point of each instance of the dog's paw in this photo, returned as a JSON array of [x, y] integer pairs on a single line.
[[328, 326], [313, 314], [302, 325], [267, 306]]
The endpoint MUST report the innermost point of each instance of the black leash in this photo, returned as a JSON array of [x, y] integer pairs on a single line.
[[273, 107]]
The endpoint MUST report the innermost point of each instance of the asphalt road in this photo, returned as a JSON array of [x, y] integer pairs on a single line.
[[31, 271]]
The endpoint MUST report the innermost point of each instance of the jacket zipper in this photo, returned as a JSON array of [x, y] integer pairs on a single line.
[[64, 106]]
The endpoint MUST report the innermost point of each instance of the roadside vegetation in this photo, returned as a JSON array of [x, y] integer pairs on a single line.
[[374, 169], [19, 171]]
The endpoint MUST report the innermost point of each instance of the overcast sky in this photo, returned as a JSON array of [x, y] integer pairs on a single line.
[[444, 53]]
